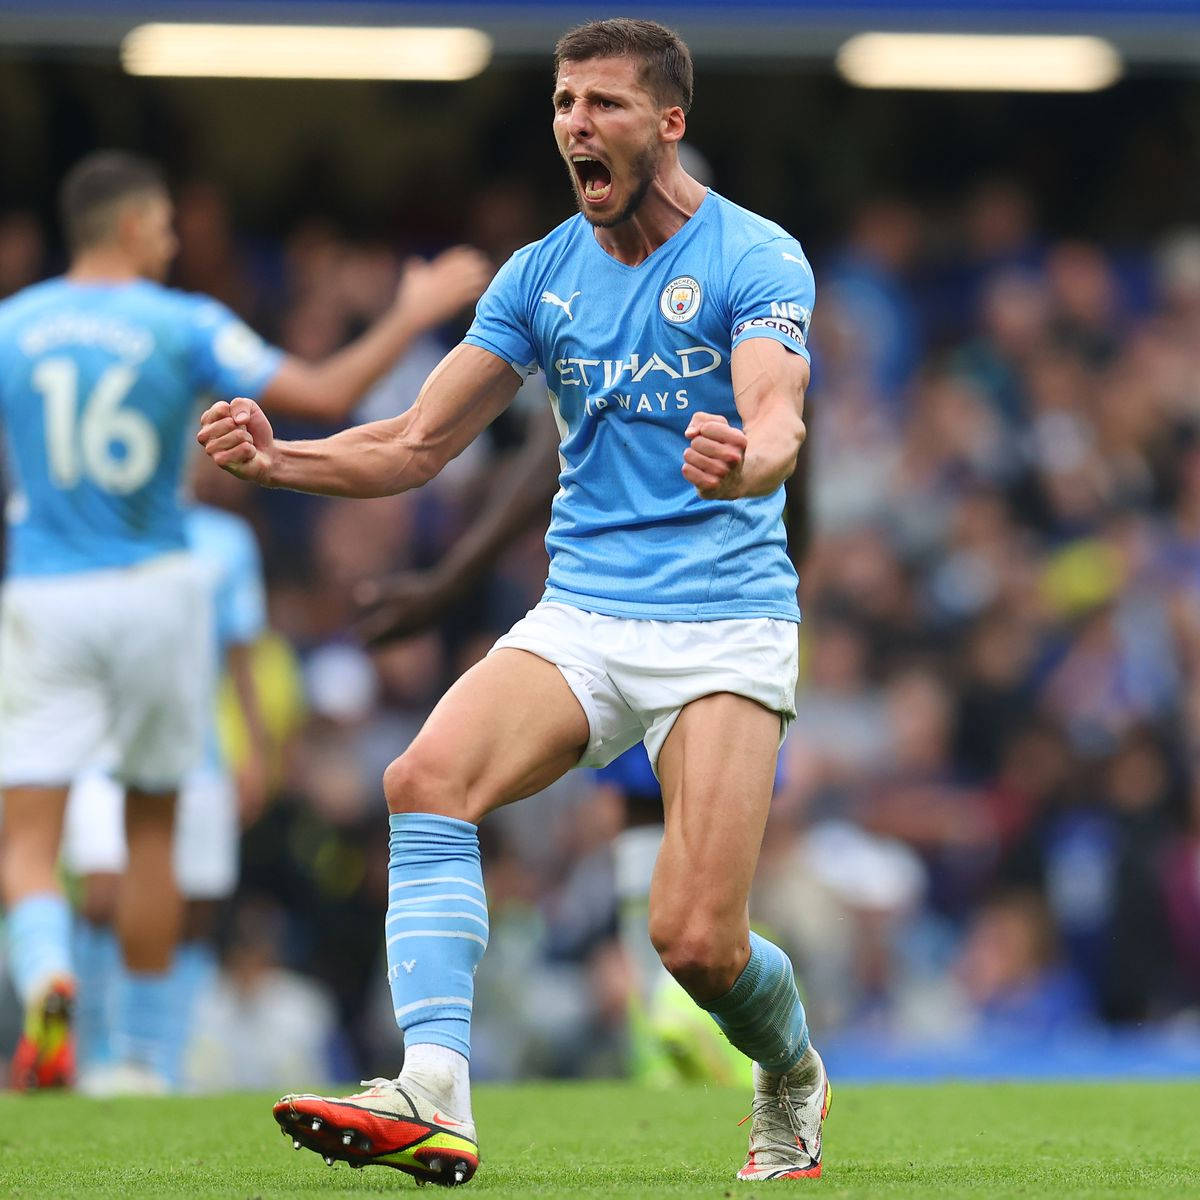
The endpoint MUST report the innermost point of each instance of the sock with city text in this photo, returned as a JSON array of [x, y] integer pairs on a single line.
[[436, 929], [762, 1014], [39, 943]]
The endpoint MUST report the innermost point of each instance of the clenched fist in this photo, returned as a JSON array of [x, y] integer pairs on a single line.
[[713, 461], [236, 435]]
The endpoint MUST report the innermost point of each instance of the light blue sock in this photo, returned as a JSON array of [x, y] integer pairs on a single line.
[[97, 963], [762, 1014], [142, 1023], [39, 943], [192, 975], [437, 927]]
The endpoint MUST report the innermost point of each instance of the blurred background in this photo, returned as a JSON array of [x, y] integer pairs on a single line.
[[984, 856]]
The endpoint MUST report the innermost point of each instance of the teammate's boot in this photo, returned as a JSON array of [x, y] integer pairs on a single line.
[[785, 1123], [45, 1054], [392, 1124]]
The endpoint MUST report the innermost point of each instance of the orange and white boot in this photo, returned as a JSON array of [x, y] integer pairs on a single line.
[[786, 1119]]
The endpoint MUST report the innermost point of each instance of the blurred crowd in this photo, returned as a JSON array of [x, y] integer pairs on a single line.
[[988, 818]]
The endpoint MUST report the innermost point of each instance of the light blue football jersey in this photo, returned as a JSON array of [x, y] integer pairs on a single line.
[[228, 552], [630, 353], [100, 384]]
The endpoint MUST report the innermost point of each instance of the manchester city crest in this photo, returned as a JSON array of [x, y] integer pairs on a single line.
[[680, 300]]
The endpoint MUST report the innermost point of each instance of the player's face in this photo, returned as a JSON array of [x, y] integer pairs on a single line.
[[152, 235], [607, 126]]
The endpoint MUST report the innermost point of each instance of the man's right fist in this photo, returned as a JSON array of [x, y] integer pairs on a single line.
[[237, 436]]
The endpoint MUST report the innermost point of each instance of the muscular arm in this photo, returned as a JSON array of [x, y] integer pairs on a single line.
[[725, 463], [465, 392], [430, 293]]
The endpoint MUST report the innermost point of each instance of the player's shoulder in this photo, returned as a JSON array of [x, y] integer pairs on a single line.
[[562, 239], [193, 306], [32, 299], [743, 232]]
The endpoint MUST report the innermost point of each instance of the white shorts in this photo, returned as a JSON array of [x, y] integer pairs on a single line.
[[206, 832], [632, 676], [121, 658]]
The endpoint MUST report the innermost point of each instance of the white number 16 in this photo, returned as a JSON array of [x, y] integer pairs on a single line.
[[80, 444]]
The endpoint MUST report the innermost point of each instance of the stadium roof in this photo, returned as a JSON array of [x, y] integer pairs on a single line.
[[1150, 32]]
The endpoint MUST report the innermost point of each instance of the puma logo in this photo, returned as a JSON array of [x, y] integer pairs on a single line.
[[792, 258], [408, 965], [565, 305]]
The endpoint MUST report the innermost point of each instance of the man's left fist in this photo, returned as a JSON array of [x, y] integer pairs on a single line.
[[713, 461]]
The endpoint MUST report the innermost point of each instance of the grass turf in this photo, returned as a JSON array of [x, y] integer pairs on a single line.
[[618, 1142]]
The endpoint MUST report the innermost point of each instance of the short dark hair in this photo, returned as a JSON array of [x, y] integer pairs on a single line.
[[94, 188], [666, 60]]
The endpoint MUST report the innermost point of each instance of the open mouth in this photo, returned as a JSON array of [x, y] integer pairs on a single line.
[[595, 179]]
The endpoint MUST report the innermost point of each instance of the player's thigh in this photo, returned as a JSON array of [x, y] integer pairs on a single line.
[[508, 728], [53, 711], [717, 769], [162, 673]]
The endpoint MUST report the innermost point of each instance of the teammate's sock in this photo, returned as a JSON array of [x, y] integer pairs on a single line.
[[142, 1024], [39, 944], [762, 1014], [192, 974], [442, 1073], [437, 928], [97, 963]]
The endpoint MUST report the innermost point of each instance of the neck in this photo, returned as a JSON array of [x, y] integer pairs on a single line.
[[109, 263], [668, 205]]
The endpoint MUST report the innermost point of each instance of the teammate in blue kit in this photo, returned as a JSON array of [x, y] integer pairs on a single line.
[[207, 825], [671, 326], [104, 619]]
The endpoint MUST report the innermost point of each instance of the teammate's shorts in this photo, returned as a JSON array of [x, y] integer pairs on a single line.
[[122, 658], [206, 831], [632, 676]]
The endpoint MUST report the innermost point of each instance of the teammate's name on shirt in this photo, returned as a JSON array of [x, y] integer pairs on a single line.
[[133, 343]]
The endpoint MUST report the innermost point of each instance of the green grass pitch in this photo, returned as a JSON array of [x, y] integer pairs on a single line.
[[615, 1141]]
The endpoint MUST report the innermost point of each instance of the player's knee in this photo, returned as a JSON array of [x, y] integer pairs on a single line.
[[698, 954], [417, 783]]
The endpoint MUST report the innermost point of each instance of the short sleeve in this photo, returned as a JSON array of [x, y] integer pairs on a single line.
[[771, 295], [227, 357], [241, 600], [501, 322]]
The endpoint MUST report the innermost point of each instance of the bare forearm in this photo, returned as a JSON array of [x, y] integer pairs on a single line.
[[772, 447], [364, 462], [344, 377]]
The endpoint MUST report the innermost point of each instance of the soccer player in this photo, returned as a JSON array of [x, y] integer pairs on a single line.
[[671, 325], [207, 825], [104, 618]]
